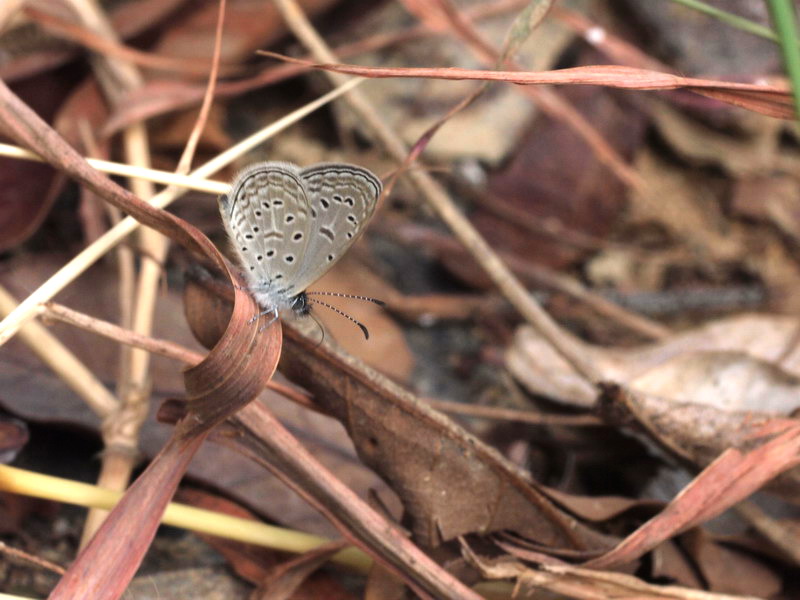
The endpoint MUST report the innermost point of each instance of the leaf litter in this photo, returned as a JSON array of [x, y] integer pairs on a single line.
[[679, 196]]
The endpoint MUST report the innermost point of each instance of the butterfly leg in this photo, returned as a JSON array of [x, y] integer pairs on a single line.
[[274, 318], [257, 316]]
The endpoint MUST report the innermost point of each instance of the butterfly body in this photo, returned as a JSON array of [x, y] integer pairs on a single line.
[[289, 225]]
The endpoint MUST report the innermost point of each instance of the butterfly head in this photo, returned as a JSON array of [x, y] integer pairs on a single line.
[[301, 306]]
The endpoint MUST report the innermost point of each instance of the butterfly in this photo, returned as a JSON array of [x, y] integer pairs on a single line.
[[290, 225]]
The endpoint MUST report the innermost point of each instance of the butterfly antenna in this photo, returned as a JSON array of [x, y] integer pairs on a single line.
[[345, 315], [353, 296], [321, 328]]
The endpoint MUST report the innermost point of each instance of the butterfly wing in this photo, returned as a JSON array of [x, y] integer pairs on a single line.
[[341, 199], [267, 216]]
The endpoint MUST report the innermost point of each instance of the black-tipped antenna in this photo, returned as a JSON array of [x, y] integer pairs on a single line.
[[344, 314], [353, 296]]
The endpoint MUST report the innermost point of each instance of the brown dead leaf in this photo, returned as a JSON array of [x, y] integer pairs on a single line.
[[230, 377], [726, 381], [450, 483], [283, 581], [386, 348], [577, 191], [768, 338], [669, 562], [248, 561], [774, 199], [27, 191], [248, 26], [716, 562]]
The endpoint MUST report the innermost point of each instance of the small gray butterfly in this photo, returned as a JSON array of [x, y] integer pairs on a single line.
[[290, 225]]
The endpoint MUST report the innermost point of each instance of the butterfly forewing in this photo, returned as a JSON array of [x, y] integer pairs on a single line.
[[341, 199], [267, 216]]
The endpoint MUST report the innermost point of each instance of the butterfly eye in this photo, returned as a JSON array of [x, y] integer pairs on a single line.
[[324, 202], [289, 218], [297, 236], [258, 213]]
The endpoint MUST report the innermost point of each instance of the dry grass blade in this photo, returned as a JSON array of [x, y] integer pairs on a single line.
[[772, 101], [407, 443], [230, 377], [19, 122], [89, 39], [258, 434], [28, 307], [439, 200], [400, 438], [733, 476]]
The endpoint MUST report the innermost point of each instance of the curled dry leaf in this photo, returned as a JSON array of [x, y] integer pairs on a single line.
[[231, 376], [450, 483], [256, 433], [234, 372]]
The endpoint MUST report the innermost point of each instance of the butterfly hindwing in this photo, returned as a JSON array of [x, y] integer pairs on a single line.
[[341, 199]]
